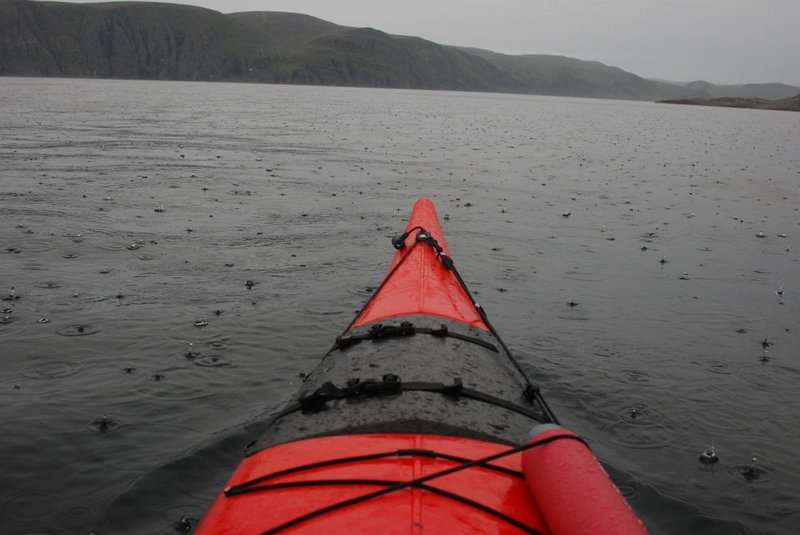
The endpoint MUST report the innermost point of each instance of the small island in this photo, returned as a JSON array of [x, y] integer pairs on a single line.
[[785, 104]]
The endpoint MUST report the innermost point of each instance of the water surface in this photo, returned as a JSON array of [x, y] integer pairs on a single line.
[[135, 213]]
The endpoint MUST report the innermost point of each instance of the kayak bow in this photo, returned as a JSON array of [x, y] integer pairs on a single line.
[[418, 420]]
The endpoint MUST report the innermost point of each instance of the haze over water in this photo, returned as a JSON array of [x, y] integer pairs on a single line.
[[253, 221]]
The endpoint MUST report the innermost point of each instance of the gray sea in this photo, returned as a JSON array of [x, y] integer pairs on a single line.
[[132, 215]]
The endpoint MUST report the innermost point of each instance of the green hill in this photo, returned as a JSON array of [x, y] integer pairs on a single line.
[[176, 42], [783, 104]]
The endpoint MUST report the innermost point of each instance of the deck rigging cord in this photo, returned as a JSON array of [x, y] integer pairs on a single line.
[[532, 392], [391, 384], [406, 328], [254, 485]]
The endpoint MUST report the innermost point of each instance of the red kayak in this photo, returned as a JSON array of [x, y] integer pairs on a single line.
[[419, 420]]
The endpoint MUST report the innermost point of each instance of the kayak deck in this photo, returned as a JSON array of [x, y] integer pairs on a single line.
[[325, 497], [417, 281], [416, 421], [464, 354]]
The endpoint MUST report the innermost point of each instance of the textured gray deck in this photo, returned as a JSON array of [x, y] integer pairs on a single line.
[[420, 357]]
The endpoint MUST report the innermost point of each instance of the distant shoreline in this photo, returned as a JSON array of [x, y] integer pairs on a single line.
[[786, 104], [162, 41]]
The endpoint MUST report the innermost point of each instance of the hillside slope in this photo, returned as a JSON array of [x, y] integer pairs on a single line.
[[783, 104], [177, 42]]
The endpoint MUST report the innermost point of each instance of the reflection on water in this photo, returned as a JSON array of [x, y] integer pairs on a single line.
[[195, 248]]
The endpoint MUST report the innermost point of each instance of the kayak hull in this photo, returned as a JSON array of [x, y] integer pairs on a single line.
[[416, 421]]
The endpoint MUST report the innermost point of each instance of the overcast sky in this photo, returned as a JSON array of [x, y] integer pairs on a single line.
[[721, 41]]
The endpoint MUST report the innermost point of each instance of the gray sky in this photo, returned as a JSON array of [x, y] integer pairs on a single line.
[[721, 41]]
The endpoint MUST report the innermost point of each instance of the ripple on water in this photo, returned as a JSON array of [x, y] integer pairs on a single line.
[[34, 266], [574, 317], [104, 425], [186, 517], [628, 491], [49, 285], [632, 376], [29, 506], [112, 246], [178, 384], [720, 368], [73, 303], [640, 427], [118, 243], [54, 369], [28, 246], [80, 329], [218, 345], [212, 361], [109, 457], [751, 473]]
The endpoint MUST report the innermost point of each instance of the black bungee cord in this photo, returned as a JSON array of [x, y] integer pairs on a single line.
[[420, 483], [531, 391]]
